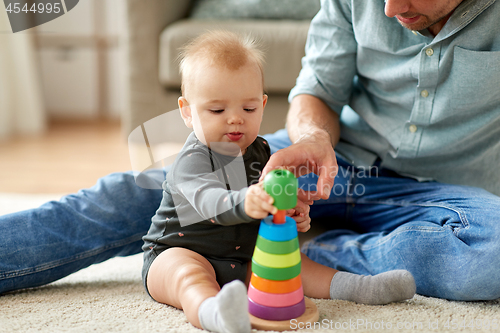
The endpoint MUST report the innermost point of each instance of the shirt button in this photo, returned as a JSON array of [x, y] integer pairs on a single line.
[[413, 128], [429, 52], [424, 93]]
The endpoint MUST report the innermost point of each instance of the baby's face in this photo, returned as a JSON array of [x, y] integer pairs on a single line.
[[225, 105]]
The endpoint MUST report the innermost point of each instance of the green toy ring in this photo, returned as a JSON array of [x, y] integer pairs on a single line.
[[274, 247], [276, 274]]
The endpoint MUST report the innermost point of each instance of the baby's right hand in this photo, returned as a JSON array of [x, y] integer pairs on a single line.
[[259, 204]]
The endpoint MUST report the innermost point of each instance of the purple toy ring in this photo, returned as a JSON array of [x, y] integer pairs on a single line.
[[271, 313]]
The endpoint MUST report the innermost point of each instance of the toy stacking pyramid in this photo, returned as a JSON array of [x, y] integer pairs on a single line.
[[275, 292]]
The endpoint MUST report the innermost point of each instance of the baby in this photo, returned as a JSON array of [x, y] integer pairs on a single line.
[[204, 232]]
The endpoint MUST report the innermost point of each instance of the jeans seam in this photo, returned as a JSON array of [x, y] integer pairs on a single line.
[[53, 264], [458, 211], [359, 245], [391, 235], [329, 247]]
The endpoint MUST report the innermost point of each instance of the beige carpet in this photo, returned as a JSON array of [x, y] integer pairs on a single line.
[[109, 297]]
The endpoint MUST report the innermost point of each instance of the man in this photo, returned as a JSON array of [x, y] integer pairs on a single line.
[[424, 83], [409, 99]]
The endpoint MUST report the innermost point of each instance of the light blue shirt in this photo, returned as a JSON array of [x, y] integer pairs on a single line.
[[428, 107]]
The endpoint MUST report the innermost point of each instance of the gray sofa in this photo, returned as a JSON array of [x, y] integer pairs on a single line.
[[155, 31]]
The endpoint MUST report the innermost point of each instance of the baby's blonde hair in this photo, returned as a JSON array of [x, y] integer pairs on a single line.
[[220, 48]]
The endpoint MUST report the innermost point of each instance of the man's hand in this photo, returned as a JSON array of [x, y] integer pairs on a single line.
[[310, 153]]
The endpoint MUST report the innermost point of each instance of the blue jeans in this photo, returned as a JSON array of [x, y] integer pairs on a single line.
[[447, 236]]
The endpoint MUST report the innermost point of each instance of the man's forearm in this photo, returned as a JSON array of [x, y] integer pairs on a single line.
[[309, 116]]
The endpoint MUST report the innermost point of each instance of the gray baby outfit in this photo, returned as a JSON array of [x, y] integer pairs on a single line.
[[203, 208]]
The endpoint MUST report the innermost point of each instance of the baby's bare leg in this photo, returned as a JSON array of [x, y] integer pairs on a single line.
[[324, 282], [184, 279], [316, 278]]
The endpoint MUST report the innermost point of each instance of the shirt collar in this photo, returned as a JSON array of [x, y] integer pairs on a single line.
[[464, 14]]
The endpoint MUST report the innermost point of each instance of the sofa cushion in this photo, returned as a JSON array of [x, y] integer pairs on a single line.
[[255, 9], [282, 40]]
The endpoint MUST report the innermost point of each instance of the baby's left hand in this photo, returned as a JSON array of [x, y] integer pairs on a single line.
[[301, 216]]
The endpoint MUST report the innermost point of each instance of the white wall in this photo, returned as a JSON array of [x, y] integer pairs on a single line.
[[82, 61], [69, 79]]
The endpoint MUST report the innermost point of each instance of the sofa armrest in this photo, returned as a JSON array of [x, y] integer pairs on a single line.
[[145, 21]]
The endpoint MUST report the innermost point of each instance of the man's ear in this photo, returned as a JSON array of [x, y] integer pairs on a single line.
[[185, 110]]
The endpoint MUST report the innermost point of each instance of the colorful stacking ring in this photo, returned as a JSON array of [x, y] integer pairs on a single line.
[[276, 260], [275, 300], [272, 313], [278, 232], [273, 247], [282, 185], [276, 287], [271, 273]]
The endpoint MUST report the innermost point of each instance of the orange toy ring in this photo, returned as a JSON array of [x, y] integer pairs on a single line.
[[276, 287]]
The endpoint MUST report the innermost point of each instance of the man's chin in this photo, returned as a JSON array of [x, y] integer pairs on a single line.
[[414, 27]]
